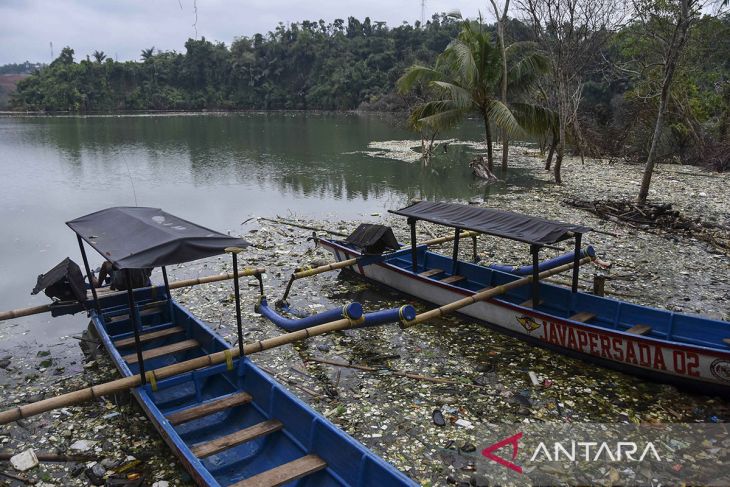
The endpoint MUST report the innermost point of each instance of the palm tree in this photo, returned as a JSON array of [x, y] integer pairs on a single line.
[[466, 78], [148, 53], [99, 56]]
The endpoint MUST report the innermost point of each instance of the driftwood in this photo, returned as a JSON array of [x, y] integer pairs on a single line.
[[652, 216], [281, 221], [479, 169]]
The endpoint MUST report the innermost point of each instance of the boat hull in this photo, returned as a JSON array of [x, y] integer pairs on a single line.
[[302, 432], [702, 369]]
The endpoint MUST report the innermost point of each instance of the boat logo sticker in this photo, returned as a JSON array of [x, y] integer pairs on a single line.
[[528, 323], [720, 368]]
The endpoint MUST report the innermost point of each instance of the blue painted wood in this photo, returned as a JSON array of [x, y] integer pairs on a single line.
[[305, 431]]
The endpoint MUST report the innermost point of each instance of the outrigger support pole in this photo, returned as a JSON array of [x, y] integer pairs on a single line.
[[576, 261], [234, 252], [88, 274], [414, 251], [135, 325], [475, 259], [455, 260], [534, 250]]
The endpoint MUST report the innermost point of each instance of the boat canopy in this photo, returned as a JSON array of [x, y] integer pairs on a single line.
[[139, 237], [501, 223]]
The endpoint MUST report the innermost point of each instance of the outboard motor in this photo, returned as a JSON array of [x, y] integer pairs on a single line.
[[62, 283], [373, 239]]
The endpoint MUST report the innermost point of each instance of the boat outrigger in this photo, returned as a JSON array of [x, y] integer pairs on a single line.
[[690, 351], [227, 421]]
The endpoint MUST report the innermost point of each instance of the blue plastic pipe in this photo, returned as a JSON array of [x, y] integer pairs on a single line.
[[352, 311], [544, 265]]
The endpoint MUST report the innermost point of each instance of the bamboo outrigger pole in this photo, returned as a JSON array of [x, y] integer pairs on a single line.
[[253, 271], [350, 262], [118, 385]]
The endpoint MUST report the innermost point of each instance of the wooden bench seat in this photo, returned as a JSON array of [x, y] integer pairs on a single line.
[[283, 474], [208, 448], [209, 407], [639, 329], [144, 310], [430, 272], [160, 351], [153, 335], [583, 316], [453, 279]]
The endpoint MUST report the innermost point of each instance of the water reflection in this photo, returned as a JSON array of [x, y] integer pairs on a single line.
[[218, 169]]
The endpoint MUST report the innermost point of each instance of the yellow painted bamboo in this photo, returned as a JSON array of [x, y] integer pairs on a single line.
[[118, 385], [484, 295], [252, 271], [349, 262]]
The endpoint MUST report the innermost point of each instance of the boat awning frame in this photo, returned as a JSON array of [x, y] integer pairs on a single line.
[[140, 237], [491, 221]]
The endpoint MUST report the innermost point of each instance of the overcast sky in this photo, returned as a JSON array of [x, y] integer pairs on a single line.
[[122, 28]]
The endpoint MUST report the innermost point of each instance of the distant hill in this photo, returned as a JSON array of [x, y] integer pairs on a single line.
[[10, 75]]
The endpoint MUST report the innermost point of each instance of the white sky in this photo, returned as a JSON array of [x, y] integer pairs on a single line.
[[122, 28]]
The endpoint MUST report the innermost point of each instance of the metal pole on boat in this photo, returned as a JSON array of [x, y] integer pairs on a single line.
[[167, 283], [535, 250], [414, 252], [455, 259], [234, 252], [576, 261], [88, 274], [135, 325]]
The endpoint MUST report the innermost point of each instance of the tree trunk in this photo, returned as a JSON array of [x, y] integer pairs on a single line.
[[501, 21], [673, 51], [488, 133], [553, 144]]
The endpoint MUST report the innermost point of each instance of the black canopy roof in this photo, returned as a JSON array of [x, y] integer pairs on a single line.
[[135, 238], [524, 228]]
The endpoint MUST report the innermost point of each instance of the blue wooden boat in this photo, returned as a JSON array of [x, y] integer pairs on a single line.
[[229, 424], [690, 351]]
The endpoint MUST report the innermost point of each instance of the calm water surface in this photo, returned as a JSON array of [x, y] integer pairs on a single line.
[[215, 169]]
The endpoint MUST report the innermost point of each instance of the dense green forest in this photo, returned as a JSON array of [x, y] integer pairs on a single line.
[[353, 64]]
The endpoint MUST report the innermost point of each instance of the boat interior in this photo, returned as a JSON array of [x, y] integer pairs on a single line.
[[597, 311], [232, 419]]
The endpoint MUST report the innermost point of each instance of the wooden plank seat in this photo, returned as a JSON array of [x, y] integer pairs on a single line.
[[453, 279], [160, 351], [528, 303], [430, 272], [208, 448], [144, 310], [153, 335], [208, 408], [283, 474], [583, 316], [639, 329]]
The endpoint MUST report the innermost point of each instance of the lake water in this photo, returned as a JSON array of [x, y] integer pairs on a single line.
[[215, 169]]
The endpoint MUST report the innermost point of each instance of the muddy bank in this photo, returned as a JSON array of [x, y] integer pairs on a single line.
[[394, 415]]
